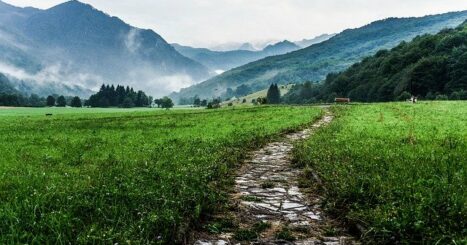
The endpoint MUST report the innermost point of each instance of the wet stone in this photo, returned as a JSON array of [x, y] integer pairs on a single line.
[[284, 205]]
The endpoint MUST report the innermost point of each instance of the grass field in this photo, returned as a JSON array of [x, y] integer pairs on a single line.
[[123, 177], [28, 111], [397, 169]]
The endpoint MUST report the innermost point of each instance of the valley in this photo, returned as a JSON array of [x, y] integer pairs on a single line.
[[208, 123]]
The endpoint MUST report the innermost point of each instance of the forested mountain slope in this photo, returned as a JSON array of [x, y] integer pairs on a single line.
[[429, 66]]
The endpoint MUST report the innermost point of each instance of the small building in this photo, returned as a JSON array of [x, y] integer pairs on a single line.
[[342, 100]]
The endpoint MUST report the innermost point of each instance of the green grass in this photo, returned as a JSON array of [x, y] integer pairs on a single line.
[[29, 111], [124, 177], [398, 169]]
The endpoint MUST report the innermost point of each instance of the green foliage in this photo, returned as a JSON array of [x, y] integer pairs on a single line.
[[426, 67], [245, 235], [166, 103], [109, 96], [273, 95], [61, 101], [50, 100], [76, 102], [397, 169], [141, 177], [286, 235]]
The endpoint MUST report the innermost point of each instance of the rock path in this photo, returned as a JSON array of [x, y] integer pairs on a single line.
[[267, 191]]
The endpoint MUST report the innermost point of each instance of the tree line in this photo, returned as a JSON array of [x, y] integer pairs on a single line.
[[34, 100], [107, 96], [111, 96]]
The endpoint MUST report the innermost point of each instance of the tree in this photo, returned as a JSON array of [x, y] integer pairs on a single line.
[[127, 103], [167, 103], [61, 101], [274, 94], [242, 90], [404, 96], [197, 102], [50, 101], [262, 100], [76, 102], [158, 102], [111, 96]]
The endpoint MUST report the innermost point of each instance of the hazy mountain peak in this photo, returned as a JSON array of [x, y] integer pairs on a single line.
[[247, 46], [281, 47]]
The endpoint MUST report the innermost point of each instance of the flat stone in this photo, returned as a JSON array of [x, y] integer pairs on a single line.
[[215, 242], [312, 216], [291, 205]]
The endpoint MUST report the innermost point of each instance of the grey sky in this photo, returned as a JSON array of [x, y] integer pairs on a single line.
[[210, 22]]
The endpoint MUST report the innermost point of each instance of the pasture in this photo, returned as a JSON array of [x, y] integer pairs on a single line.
[[124, 176], [397, 170]]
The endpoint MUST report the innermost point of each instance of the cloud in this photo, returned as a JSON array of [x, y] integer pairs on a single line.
[[133, 40]]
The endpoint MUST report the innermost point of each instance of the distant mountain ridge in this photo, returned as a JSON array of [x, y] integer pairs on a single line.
[[334, 55], [319, 39], [75, 44], [226, 60]]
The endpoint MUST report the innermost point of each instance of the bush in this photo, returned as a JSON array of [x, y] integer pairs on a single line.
[[442, 97], [404, 96]]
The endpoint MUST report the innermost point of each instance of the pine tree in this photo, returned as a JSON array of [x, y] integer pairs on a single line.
[[274, 94]]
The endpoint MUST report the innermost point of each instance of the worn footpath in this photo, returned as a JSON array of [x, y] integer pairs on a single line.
[[270, 203]]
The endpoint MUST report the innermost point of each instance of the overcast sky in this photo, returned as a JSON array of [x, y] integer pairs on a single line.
[[205, 23]]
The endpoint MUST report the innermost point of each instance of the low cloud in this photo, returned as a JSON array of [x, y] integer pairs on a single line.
[[133, 40]]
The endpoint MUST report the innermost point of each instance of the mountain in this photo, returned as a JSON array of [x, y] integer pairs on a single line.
[[247, 46], [319, 39], [75, 44], [226, 60], [429, 66], [334, 55]]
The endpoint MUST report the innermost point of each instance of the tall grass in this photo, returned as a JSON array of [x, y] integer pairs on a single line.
[[397, 169], [124, 178]]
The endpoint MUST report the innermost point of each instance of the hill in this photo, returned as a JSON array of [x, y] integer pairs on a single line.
[[284, 89], [429, 66], [76, 44], [336, 54], [225, 60]]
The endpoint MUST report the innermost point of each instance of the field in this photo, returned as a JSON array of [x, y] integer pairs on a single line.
[[112, 176], [27, 111], [398, 170]]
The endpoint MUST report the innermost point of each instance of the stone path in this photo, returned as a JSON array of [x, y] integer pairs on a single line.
[[267, 192]]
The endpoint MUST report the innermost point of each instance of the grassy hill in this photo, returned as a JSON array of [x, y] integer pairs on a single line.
[[336, 54], [253, 96]]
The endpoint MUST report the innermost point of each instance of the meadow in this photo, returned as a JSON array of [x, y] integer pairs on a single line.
[[124, 176], [396, 170]]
